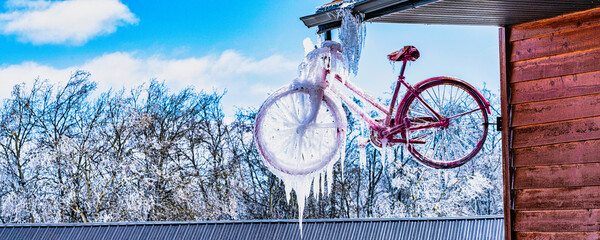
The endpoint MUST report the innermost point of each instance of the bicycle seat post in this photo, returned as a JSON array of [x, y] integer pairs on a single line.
[[401, 76], [400, 80]]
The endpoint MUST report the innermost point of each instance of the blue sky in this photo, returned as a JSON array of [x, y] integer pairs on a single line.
[[247, 48]]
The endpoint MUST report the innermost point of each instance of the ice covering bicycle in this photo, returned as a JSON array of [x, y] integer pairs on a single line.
[[302, 127]]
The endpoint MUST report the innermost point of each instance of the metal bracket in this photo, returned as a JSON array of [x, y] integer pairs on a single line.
[[499, 124]]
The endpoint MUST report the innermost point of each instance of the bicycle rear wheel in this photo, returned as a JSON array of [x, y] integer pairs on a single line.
[[460, 133], [286, 139]]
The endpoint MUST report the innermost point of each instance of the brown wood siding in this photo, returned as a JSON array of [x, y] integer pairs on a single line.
[[553, 121], [559, 235], [555, 88], [558, 198]]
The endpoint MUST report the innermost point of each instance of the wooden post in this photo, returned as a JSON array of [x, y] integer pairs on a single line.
[[506, 136]]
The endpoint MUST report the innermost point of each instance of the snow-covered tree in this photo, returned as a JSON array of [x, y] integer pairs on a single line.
[[69, 154]]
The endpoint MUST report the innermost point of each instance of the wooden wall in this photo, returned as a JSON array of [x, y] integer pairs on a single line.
[[551, 114]]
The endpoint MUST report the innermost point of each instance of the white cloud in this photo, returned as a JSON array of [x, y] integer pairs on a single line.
[[247, 80], [63, 22]]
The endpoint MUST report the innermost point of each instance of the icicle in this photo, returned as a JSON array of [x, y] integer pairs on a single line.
[[301, 201], [362, 152], [361, 144], [329, 177], [322, 182], [352, 34], [310, 71], [383, 151], [288, 191], [343, 158], [315, 186]]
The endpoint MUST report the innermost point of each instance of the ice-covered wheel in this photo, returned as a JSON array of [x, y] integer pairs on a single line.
[[288, 141], [462, 128]]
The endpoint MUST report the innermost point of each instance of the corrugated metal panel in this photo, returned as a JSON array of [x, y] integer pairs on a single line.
[[472, 12], [477, 12], [488, 227]]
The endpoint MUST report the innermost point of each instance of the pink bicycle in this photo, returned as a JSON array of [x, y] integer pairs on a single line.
[[300, 128]]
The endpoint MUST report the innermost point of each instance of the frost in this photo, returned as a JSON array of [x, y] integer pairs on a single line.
[[288, 128], [352, 34], [308, 46], [310, 71]]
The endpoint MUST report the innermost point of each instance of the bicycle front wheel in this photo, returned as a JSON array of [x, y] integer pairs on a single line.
[[457, 134], [286, 138]]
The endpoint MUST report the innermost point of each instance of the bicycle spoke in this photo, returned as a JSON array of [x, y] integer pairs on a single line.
[[438, 99], [417, 111], [443, 98], [298, 107], [421, 136], [467, 130], [274, 117], [465, 113], [444, 146], [459, 143], [465, 133], [434, 101], [287, 110], [469, 146], [453, 145]]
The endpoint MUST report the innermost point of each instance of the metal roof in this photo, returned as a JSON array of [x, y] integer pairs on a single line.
[[484, 227], [474, 12]]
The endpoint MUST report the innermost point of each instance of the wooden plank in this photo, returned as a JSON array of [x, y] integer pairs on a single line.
[[558, 198], [554, 66], [557, 43], [556, 110], [555, 88], [555, 154], [572, 175], [559, 235], [557, 221], [557, 24], [504, 108], [558, 132]]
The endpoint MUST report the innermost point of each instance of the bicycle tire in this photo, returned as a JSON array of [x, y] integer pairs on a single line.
[[452, 145], [286, 148]]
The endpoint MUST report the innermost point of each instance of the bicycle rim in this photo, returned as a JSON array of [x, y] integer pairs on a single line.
[[458, 142], [290, 145]]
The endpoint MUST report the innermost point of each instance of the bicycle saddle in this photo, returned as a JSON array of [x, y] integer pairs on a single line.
[[408, 53]]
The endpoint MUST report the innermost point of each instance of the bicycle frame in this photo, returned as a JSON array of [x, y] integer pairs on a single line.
[[386, 129]]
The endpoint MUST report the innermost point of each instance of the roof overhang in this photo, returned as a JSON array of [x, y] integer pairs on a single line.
[[470, 12]]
